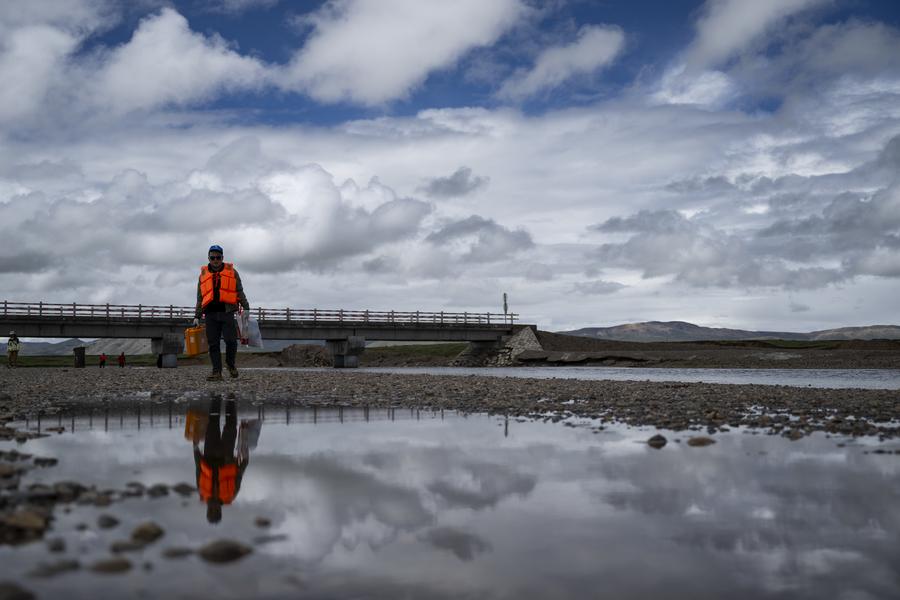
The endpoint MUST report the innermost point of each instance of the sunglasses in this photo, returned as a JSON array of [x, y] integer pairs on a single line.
[[219, 257]]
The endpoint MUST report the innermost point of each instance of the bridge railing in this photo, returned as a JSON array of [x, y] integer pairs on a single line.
[[143, 312]]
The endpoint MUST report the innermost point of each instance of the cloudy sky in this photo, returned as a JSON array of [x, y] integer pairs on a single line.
[[728, 163]]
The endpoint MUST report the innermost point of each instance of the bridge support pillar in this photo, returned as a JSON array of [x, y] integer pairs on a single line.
[[346, 352], [168, 347]]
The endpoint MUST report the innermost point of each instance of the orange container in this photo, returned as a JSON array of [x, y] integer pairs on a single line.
[[195, 341], [195, 423]]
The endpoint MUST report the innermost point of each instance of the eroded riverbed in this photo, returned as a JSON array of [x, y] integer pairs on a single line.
[[388, 503]]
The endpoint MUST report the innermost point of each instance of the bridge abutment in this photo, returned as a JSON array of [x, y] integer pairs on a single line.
[[168, 347], [345, 352]]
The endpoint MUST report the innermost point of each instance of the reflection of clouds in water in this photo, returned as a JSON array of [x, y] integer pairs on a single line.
[[480, 485], [328, 500], [464, 545], [788, 518], [387, 510], [324, 502]]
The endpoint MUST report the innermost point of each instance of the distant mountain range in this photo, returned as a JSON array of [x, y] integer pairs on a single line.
[[679, 331]]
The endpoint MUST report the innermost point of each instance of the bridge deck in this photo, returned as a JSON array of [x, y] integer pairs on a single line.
[[126, 321]]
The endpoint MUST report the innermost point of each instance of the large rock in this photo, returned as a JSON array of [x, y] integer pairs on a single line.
[[222, 551]]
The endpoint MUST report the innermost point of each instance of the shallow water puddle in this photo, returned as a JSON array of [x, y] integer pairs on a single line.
[[403, 503]]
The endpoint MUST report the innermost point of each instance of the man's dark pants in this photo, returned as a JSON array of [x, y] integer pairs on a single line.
[[218, 446], [221, 325]]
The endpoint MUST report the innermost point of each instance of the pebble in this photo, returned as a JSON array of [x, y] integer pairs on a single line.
[[700, 441], [183, 489], [222, 551], [262, 522], [657, 441], [147, 532], [107, 521], [56, 545], [158, 490], [29, 520], [112, 565]]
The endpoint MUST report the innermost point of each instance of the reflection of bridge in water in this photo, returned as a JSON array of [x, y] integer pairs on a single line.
[[137, 416], [344, 331]]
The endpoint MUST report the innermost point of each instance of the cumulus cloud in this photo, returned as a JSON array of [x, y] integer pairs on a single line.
[[77, 17], [478, 239], [290, 220], [371, 53], [165, 63], [728, 26], [667, 243], [460, 183], [31, 59], [808, 235], [596, 47]]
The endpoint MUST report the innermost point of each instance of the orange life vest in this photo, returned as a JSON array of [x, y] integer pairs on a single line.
[[227, 284], [227, 480]]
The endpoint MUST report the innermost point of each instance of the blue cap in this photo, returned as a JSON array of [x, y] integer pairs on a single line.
[[215, 248]]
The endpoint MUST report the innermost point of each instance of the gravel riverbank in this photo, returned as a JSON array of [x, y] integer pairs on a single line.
[[790, 411]]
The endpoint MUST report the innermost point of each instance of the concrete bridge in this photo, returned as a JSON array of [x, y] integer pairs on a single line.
[[345, 332]]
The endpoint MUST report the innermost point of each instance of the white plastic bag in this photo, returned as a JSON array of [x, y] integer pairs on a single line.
[[242, 319], [254, 337], [248, 436]]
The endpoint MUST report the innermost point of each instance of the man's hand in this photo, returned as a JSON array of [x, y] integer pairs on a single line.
[[196, 322]]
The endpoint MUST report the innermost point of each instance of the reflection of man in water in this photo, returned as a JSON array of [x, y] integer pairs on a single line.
[[219, 471]]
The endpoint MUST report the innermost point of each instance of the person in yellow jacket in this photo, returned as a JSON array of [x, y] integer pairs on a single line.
[[12, 350], [219, 470], [219, 293]]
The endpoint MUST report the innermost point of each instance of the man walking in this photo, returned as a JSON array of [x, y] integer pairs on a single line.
[[219, 292], [219, 471], [12, 350], [102, 359]]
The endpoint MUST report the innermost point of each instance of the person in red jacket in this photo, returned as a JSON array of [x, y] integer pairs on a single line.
[[102, 359], [122, 360], [218, 470]]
